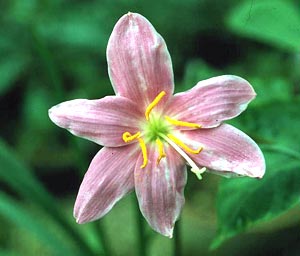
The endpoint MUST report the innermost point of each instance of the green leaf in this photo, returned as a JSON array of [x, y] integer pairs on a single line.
[[16, 175], [79, 25], [195, 71], [271, 90], [4, 252], [276, 22], [243, 202], [274, 124], [10, 69], [23, 218], [35, 107]]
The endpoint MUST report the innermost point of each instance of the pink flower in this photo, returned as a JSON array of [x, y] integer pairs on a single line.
[[149, 134]]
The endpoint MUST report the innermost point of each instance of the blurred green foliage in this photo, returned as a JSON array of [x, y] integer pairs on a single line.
[[52, 51]]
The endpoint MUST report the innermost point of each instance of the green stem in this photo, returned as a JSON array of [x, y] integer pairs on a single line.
[[141, 232], [281, 149], [177, 240]]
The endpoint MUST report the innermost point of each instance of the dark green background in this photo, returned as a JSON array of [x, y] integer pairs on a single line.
[[54, 50]]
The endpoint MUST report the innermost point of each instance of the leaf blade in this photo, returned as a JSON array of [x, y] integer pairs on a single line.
[[274, 22]]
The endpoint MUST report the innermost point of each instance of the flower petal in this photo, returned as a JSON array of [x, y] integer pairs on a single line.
[[108, 179], [139, 63], [103, 121], [212, 101], [159, 189], [227, 150]]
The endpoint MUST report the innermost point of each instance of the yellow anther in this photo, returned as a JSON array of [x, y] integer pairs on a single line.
[[154, 103], [128, 137], [183, 146], [181, 123], [161, 151], [144, 152]]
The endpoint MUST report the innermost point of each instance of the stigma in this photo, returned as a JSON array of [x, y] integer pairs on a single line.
[[158, 131]]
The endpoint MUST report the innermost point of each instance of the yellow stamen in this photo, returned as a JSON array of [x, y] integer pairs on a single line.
[[181, 123], [127, 137], [144, 152], [154, 103], [183, 146], [160, 150]]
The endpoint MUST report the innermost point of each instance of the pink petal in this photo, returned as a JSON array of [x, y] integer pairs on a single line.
[[108, 179], [212, 101], [139, 63], [103, 121], [227, 150], [159, 189]]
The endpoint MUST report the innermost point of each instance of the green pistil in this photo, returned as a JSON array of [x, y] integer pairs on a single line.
[[154, 127]]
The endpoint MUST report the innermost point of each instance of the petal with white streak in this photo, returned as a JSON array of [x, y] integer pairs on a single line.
[[226, 150], [212, 101], [139, 63], [103, 121], [109, 178], [159, 189]]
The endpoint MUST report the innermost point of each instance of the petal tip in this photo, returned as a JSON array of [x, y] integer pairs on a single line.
[[239, 81], [131, 16], [52, 115], [262, 167], [78, 217], [78, 221], [170, 234], [261, 173]]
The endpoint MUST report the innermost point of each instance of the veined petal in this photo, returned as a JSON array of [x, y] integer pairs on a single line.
[[212, 101], [109, 178], [139, 63], [102, 121], [227, 150], [159, 189]]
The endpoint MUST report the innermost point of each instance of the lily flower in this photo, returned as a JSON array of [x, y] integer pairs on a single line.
[[149, 135]]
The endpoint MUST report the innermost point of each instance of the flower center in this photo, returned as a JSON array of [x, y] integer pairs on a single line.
[[158, 129]]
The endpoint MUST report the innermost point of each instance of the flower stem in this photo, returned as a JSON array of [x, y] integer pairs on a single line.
[[177, 240], [281, 149], [141, 232]]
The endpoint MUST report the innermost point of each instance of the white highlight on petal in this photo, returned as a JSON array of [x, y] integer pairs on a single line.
[[243, 107], [242, 168]]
